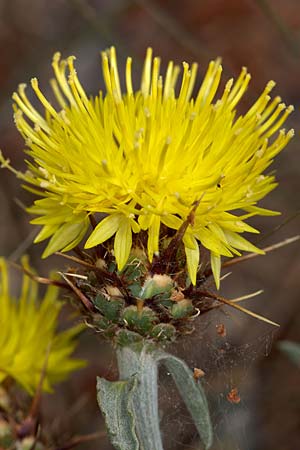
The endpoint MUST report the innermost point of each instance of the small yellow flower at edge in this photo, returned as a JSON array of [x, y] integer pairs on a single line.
[[143, 157], [29, 341]]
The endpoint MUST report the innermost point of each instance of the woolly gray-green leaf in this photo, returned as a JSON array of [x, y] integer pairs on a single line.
[[192, 394], [292, 350], [142, 365], [114, 399]]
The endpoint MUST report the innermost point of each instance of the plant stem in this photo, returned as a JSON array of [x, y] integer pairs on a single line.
[[143, 365]]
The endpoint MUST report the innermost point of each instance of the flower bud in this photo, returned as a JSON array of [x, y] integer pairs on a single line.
[[140, 321], [127, 337], [110, 307], [158, 284], [163, 332], [182, 309]]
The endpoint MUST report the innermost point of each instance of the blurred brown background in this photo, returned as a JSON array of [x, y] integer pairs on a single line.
[[264, 36]]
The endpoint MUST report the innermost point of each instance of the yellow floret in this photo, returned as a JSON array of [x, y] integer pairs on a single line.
[[29, 341], [146, 156]]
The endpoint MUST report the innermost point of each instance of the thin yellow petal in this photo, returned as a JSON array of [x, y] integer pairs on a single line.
[[123, 243], [192, 259], [215, 261], [104, 230]]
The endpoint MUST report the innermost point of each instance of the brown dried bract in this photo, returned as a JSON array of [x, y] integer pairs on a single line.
[[233, 396], [177, 295], [221, 330], [198, 373]]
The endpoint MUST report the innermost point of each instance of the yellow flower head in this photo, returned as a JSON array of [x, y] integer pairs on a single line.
[[29, 341], [145, 157]]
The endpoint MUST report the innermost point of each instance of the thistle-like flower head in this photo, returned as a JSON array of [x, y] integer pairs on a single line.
[[144, 158], [29, 342]]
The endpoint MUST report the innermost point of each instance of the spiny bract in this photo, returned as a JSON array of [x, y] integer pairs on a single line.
[[29, 341], [145, 157]]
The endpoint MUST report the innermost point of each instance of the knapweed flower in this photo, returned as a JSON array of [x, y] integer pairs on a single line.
[[30, 346], [145, 157]]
